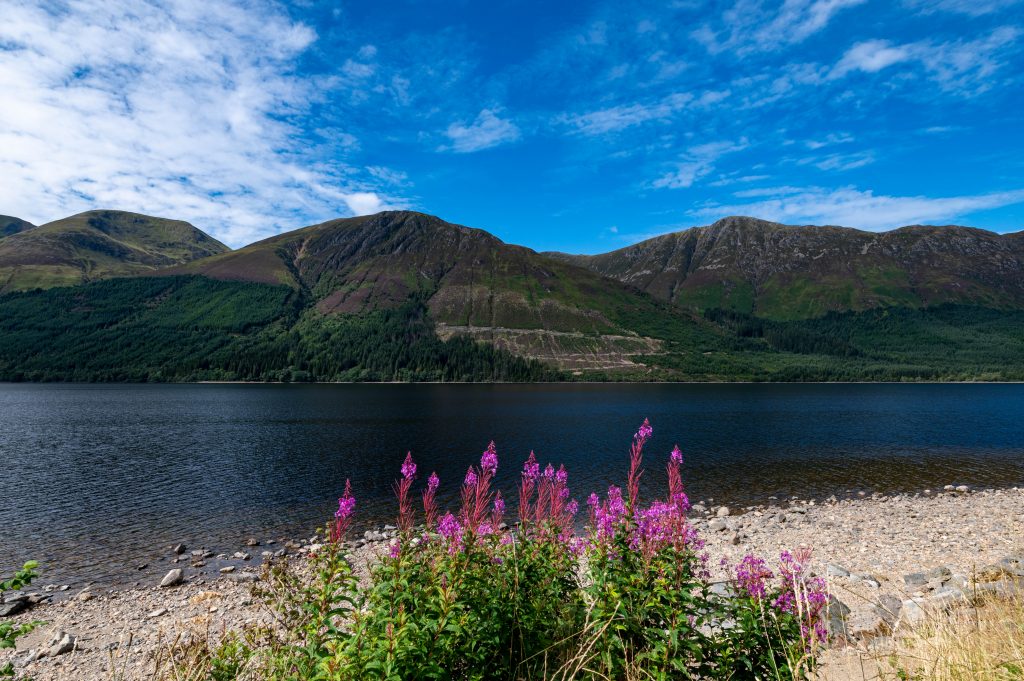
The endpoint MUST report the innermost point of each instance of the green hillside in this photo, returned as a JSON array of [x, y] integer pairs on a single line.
[[790, 272], [11, 225], [98, 245]]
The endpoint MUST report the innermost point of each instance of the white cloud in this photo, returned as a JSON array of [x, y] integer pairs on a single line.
[[186, 110], [753, 26], [969, 7], [871, 56], [696, 163], [488, 130], [960, 66], [617, 118], [855, 208]]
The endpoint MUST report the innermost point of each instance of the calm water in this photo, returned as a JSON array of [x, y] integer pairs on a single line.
[[100, 478]]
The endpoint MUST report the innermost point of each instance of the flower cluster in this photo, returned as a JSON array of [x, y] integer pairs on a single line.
[[752, 575], [343, 516], [802, 595]]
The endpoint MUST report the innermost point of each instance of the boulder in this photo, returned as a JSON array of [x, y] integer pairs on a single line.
[[173, 578]]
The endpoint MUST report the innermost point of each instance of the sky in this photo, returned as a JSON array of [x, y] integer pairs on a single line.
[[572, 126]]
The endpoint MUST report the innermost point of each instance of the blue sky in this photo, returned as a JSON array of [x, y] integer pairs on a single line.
[[573, 126]]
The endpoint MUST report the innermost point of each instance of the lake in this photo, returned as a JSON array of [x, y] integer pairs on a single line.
[[100, 478]]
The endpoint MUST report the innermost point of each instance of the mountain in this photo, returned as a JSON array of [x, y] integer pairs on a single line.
[[403, 296], [11, 225], [791, 272], [98, 245], [472, 284]]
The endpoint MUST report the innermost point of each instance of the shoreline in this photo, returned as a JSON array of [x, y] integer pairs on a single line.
[[867, 547], [651, 382]]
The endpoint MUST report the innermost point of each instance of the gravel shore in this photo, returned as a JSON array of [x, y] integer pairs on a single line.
[[884, 557]]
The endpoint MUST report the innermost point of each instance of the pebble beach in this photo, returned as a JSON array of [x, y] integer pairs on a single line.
[[887, 559]]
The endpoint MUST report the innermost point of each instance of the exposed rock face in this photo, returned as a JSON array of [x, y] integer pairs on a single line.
[[784, 271]]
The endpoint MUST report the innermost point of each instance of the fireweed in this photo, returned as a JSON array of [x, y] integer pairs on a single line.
[[459, 595]]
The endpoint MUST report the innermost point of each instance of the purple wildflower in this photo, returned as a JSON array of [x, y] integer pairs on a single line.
[[395, 550], [451, 530], [751, 575], [676, 456], [593, 500], [499, 505], [531, 469], [489, 460], [346, 506], [561, 476], [645, 431], [470, 480], [573, 507], [433, 482], [408, 467], [549, 472]]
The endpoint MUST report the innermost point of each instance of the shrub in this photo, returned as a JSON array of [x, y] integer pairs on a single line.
[[625, 594], [9, 632]]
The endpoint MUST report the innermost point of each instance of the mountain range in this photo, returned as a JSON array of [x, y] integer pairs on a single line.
[[405, 296]]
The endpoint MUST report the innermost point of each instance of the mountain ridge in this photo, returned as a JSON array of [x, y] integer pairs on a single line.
[[96, 245], [785, 271]]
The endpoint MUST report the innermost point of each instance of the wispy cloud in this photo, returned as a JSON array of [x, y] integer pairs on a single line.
[[856, 208], [975, 8], [758, 26], [698, 162], [488, 130], [965, 67], [187, 110]]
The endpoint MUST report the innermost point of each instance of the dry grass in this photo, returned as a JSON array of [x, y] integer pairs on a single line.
[[983, 641]]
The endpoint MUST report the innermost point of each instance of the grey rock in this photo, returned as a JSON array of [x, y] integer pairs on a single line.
[[173, 578], [13, 606], [718, 525], [963, 488], [280, 553], [252, 542], [915, 579], [836, 613], [833, 570], [60, 644], [159, 612], [723, 512], [242, 577], [180, 549], [889, 608], [227, 569], [939, 573], [734, 539]]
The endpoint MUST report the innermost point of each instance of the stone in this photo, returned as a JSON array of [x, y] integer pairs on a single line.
[[836, 613], [723, 512], [889, 608], [963, 488], [159, 612], [227, 569], [915, 579], [180, 549], [699, 508], [173, 578], [86, 596], [865, 623], [241, 555], [833, 570], [948, 488], [280, 553], [13, 606], [734, 539], [60, 644], [718, 525], [241, 577]]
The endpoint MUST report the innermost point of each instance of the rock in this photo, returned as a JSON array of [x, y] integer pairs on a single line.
[[939, 573], [718, 525], [142, 566], [865, 623], [173, 578], [159, 612], [723, 512], [836, 613], [963, 488], [241, 555], [948, 488], [833, 570], [227, 569], [889, 608], [734, 539], [86, 596], [60, 644], [180, 549], [280, 553], [916, 579], [241, 577], [13, 606]]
